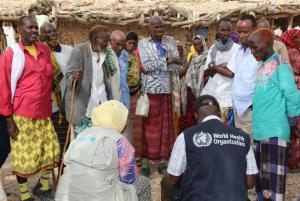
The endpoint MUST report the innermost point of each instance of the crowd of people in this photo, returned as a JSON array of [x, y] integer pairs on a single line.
[[221, 120]]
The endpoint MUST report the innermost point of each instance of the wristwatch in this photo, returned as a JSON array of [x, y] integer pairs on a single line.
[[212, 64]]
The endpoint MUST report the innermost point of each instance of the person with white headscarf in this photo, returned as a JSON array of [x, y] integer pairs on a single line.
[[100, 162], [194, 78]]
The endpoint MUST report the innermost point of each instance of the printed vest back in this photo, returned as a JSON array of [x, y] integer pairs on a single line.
[[216, 163]]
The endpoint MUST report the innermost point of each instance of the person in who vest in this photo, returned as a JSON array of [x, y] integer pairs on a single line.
[[211, 161]]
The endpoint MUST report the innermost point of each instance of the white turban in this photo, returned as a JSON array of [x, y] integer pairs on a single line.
[[278, 32], [110, 114]]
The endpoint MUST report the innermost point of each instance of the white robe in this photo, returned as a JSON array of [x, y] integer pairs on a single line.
[[92, 170]]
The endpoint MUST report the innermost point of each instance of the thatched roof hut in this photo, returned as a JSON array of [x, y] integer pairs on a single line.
[[183, 19]]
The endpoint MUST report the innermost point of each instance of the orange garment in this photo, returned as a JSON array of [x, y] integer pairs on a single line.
[[31, 50]]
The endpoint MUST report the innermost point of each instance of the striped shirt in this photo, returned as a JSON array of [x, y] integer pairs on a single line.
[[154, 56]]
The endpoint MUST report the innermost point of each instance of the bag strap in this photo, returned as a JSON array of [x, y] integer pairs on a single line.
[[143, 87]]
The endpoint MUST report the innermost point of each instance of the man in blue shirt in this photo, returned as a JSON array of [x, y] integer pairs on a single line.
[[117, 43]]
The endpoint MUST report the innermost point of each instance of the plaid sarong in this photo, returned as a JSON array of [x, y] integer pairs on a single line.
[[271, 157], [158, 132]]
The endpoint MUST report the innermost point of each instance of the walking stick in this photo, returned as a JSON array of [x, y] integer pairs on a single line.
[[68, 132]]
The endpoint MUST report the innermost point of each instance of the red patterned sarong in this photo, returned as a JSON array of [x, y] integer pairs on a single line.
[[189, 113], [136, 126], [158, 131]]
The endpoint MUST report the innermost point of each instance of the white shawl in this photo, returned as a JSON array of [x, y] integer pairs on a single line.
[[17, 67]]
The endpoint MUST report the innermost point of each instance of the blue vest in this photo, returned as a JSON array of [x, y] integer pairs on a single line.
[[216, 163]]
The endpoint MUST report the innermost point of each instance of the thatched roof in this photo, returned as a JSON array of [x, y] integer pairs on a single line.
[[175, 13]]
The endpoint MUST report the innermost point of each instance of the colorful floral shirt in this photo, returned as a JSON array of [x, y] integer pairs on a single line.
[[128, 170]]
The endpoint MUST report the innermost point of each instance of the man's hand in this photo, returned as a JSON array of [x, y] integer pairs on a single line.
[[76, 74], [223, 70], [210, 71], [12, 128]]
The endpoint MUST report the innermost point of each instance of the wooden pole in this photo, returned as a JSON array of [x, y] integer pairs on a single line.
[[290, 25]]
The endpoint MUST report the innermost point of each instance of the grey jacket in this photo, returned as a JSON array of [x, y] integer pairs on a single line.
[[81, 58]]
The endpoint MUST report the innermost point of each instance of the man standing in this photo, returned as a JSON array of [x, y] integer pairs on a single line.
[[157, 52], [60, 55], [208, 156], [245, 67], [25, 99], [220, 80], [117, 43], [92, 66], [278, 46], [276, 97]]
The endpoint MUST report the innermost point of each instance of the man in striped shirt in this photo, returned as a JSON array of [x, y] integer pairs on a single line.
[[157, 52]]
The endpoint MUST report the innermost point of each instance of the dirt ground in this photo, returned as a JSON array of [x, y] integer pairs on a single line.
[[10, 184]]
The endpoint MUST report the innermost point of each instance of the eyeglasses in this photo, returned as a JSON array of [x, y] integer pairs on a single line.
[[49, 37]]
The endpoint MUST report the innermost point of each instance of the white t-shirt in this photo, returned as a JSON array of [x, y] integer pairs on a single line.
[[98, 93], [62, 59], [219, 86]]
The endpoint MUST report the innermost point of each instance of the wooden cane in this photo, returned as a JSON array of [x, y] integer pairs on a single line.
[[68, 132]]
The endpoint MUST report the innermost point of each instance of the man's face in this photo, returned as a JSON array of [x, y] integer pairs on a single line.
[[131, 45], [244, 29], [50, 36], [29, 31], [118, 44], [198, 45], [258, 48], [100, 42], [157, 30], [224, 31]]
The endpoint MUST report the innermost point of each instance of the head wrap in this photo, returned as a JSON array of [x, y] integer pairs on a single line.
[[110, 114], [278, 32], [202, 39], [132, 36], [288, 38]]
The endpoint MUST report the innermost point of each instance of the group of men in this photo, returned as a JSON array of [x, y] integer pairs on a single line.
[[209, 161], [36, 82]]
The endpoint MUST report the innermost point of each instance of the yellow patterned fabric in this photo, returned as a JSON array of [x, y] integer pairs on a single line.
[[58, 76], [133, 76], [36, 147]]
